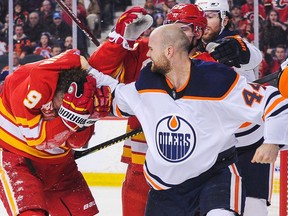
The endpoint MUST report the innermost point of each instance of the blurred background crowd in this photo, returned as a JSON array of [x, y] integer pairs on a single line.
[[42, 30]]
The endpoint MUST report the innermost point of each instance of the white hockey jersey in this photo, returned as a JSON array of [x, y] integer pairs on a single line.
[[250, 134], [186, 129]]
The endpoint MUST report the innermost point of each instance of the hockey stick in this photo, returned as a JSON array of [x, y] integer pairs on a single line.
[[267, 78], [79, 154], [273, 76], [86, 31]]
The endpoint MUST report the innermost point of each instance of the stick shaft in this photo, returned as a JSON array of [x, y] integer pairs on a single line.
[[267, 78], [79, 154], [86, 31]]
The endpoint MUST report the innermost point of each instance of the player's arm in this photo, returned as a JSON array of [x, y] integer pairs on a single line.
[[75, 109], [110, 57], [235, 51], [262, 103], [267, 153]]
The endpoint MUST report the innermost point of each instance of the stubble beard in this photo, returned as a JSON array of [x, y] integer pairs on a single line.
[[210, 36], [161, 67]]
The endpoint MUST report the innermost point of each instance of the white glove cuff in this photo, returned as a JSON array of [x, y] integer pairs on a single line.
[[118, 39], [70, 116]]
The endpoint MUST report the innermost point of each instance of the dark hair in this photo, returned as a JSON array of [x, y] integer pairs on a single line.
[[67, 76]]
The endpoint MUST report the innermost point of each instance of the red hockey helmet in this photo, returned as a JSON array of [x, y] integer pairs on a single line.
[[189, 14]]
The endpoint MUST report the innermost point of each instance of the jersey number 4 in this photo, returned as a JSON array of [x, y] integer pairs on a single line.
[[252, 96]]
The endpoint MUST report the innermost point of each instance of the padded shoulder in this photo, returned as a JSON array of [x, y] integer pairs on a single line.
[[210, 79]]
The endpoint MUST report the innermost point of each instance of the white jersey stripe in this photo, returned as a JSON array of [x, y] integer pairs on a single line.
[[7, 187]]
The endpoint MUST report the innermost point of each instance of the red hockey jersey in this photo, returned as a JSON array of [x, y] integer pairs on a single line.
[[25, 106]]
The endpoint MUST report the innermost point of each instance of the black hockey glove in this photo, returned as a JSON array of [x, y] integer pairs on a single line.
[[231, 51]]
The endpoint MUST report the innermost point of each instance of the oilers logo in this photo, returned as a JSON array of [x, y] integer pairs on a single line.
[[175, 138]]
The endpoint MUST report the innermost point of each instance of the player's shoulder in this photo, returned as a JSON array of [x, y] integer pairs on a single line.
[[211, 79]]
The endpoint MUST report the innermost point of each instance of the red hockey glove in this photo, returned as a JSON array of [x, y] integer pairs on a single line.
[[231, 51], [102, 105], [75, 110], [80, 138], [130, 25], [102, 101]]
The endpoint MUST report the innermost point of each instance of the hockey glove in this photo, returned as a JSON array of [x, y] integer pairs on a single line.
[[102, 105], [130, 25], [231, 51], [76, 109]]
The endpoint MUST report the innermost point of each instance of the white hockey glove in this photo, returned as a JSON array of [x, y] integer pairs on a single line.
[[129, 27]]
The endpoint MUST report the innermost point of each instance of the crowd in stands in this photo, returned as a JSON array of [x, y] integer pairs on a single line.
[[42, 28]]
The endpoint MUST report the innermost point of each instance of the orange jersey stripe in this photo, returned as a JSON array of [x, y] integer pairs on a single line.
[[274, 104]]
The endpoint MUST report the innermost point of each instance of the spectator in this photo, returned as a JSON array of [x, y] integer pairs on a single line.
[[56, 49], [94, 17], [238, 22], [280, 53], [68, 43], [46, 13], [44, 48], [3, 10], [59, 30], [5, 70], [20, 15], [3, 48], [275, 59], [149, 6], [107, 13], [249, 7], [274, 32], [81, 15], [4, 29], [282, 10], [168, 5], [33, 28], [32, 5], [158, 19], [22, 44]]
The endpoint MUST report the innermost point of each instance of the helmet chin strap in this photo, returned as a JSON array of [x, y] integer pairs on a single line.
[[222, 16]]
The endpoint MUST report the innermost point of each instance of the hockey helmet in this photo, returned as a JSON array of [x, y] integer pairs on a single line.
[[215, 5], [189, 14]]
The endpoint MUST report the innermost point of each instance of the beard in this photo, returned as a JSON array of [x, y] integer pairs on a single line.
[[210, 35], [162, 66]]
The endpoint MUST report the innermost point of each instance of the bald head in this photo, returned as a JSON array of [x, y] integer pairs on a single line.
[[168, 49], [171, 35]]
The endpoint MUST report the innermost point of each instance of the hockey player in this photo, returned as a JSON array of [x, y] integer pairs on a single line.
[[126, 65], [46, 109], [190, 160], [244, 57], [224, 45], [127, 55]]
